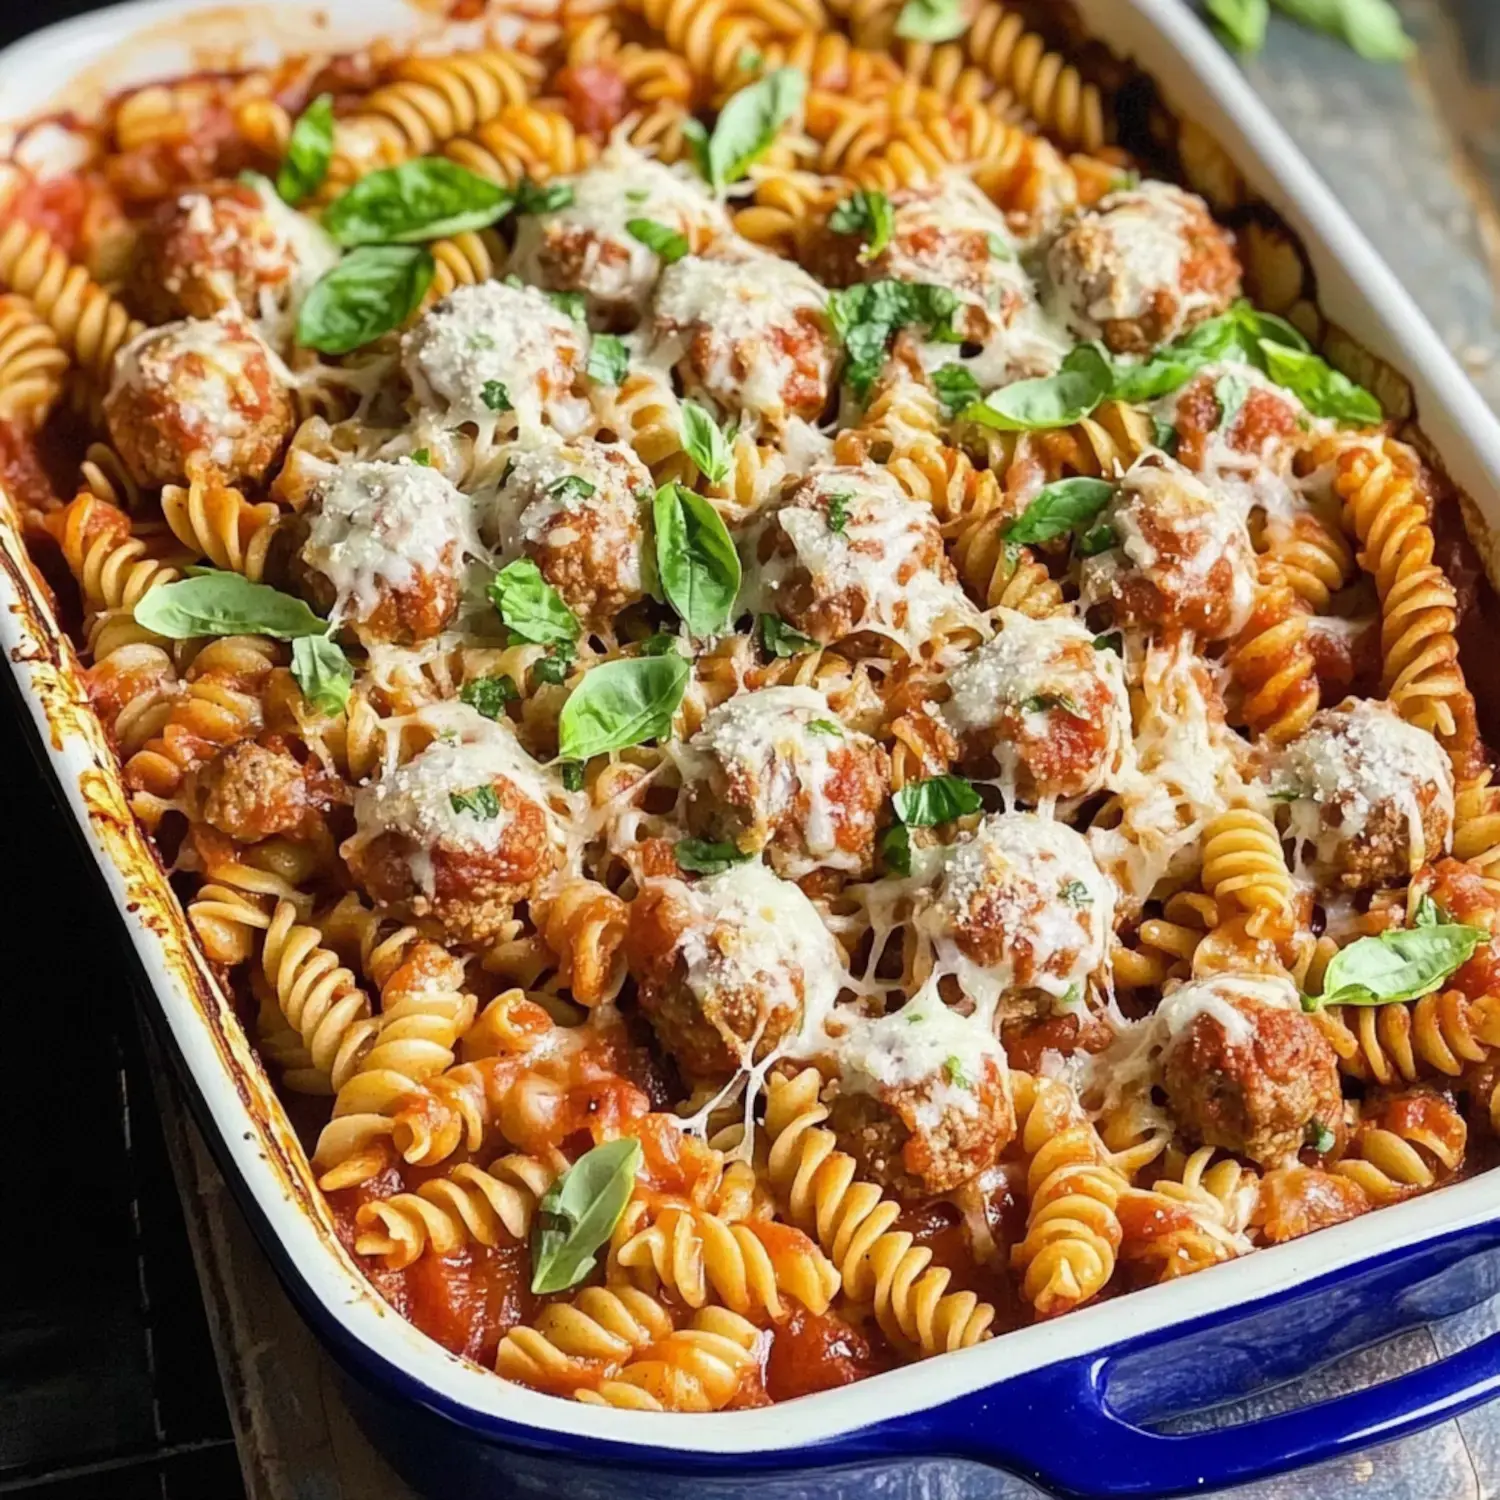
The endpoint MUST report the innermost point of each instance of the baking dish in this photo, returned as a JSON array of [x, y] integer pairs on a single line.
[[1069, 1404]]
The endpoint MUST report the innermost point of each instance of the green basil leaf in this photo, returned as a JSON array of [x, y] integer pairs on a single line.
[[777, 637], [703, 858], [865, 315], [574, 304], [323, 672], [495, 396], [1427, 913], [748, 124], [695, 133], [572, 775], [1396, 966], [218, 603], [1057, 400], [1059, 508], [867, 213], [895, 849], [1111, 640], [1372, 27], [1230, 391], [957, 389], [621, 703], [667, 243], [1321, 389], [609, 359], [422, 456], [1242, 23], [530, 607], [932, 20], [423, 199], [705, 444], [1164, 436], [369, 292], [309, 149], [696, 560], [554, 667], [579, 1213], [571, 487], [489, 695], [937, 799], [479, 802], [543, 198]]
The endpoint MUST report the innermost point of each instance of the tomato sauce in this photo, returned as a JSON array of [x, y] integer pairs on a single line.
[[811, 1352]]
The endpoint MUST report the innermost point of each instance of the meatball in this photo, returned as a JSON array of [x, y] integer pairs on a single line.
[[948, 234], [730, 967], [847, 550], [585, 246], [1181, 555], [1021, 914], [748, 334], [1370, 794], [575, 509], [1142, 268], [922, 1101], [460, 833], [198, 396], [497, 355], [1043, 705], [384, 548], [227, 245], [1244, 1069], [775, 770], [257, 789]]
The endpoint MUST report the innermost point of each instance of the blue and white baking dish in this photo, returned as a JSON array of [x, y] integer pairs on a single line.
[[1072, 1404]]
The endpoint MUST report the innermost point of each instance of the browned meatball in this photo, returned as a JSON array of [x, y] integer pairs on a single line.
[[921, 1102], [846, 550], [576, 509], [1246, 1070], [727, 968], [460, 833], [1267, 418], [1142, 268], [257, 789], [775, 770], [224, 245], [1181, 555], [382, 549], [1356, 776], [199, 395]]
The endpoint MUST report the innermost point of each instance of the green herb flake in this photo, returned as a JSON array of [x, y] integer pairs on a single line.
[[1076, 893], [699, 857], [934, 800], [705, 444], [866, 315], [838, 512], [1060, 507], [1318, 1137], [543, 198], [1111, 640], [571, 487], [867, 213], [953, 1071], [479, 802], [664, 241], [609, 359], [779, 639], [579, 1213], [825, 726], [309, 149], [489, 695], [495, 396], [895, 849], [956, 387], [572, 775], [932, 20], [423, 456], [322, 671]]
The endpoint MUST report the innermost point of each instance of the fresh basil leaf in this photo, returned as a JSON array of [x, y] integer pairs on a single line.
[[369, 292], [530, 607], [703, 858], [695, 133], [1242, 23], [1427, 913], [1097, 539], [543, 198], [1060, 507], [777, 637], [219, 603], [579, 1213], [572, 775], [895, 848], [1372, 27], [748, 124], [868, 213], [957, 389], [553, 668], [609, 359], [423, 199], [1256, 325], [999, 247], [1041, 703], [825, 726], [422, 456], [574, 304], [1231, 392], [1057, 400], [309, 149], [932, 20], [571, 487], [705, 444], [936, 799], [1321, 389], [489, 695], [696, 560], [621, 703], [1404, 964], [479, 802], [1163, 436], [495, 396], [323, 672], [865, 315], [667, 243]]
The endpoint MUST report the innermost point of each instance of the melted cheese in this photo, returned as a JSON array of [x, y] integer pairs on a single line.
[[882, 530], [1034, 884], [494, 332], [378, 526], [305, 246]]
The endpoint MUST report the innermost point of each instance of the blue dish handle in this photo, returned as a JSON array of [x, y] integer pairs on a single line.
[[1057, 1425]]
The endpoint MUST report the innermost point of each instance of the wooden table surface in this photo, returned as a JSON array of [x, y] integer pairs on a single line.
[[1415, 154]]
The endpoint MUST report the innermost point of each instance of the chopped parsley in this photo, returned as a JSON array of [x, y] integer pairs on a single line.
[[495, 396], [478, 801]]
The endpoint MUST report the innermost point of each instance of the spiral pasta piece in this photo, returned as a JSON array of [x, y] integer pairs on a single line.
[[90, 325], [852, 1221], [228, 922], [32, 362], [463, 260], [584, 924], [712, 36], [1272, 663], [1313, 557], [1000, 574], [1438, 1035], [696, 1369], [574, 1344], [114, 567], [215, 521], [1244, 866], [1400, 1154], [523, 141]]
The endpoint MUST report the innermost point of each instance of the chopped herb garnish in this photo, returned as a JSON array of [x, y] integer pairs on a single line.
[[478, 801]]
